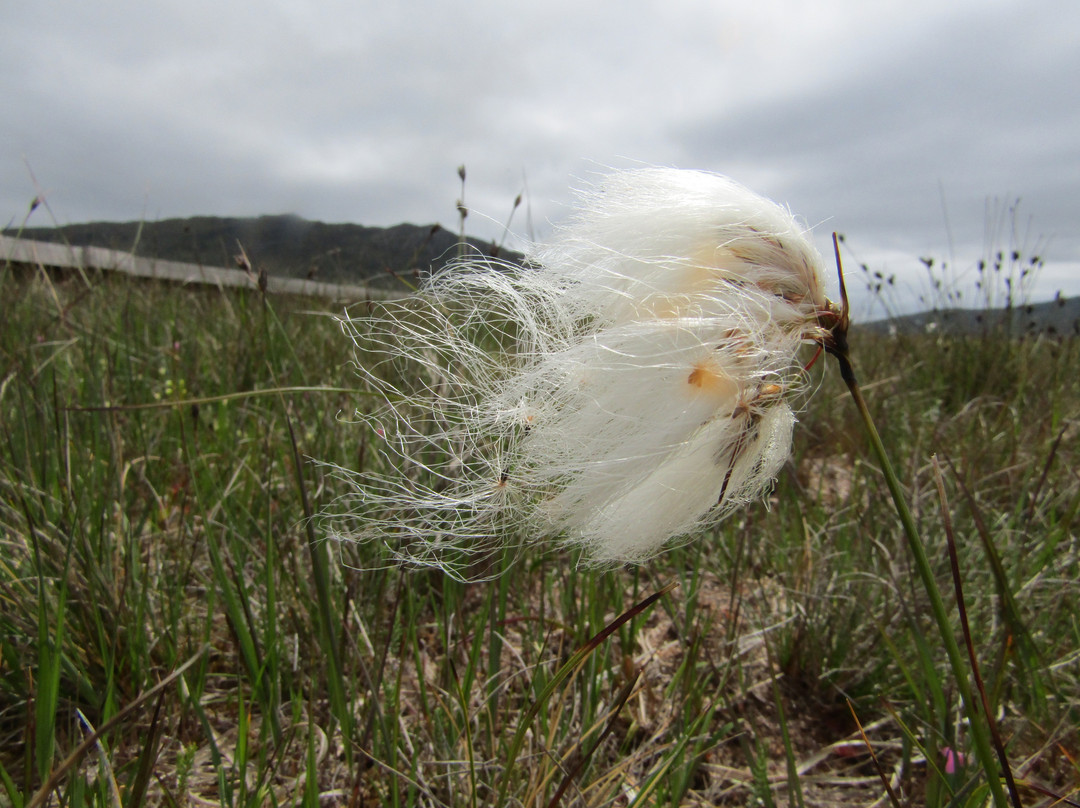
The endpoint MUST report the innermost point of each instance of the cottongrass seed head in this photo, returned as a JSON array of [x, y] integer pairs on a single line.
[[627, 386]]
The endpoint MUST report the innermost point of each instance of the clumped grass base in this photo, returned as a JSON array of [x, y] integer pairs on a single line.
[[136, 539]]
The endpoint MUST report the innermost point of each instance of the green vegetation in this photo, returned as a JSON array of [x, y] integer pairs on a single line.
[[175, 630]]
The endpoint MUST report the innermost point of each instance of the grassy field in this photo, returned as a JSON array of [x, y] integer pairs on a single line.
[[176, 632]]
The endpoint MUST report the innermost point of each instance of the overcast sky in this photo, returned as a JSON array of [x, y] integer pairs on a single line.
[[897, 123]]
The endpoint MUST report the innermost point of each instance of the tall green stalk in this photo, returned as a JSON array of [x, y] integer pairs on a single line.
[[979, 732], [837, 345]]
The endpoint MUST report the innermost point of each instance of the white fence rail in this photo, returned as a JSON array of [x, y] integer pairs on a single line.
[[63, 256]]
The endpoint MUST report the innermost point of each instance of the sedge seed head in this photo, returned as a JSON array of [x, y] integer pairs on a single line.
[[626, 387]]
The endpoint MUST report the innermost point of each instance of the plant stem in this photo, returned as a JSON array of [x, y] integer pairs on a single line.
[[979, 732]]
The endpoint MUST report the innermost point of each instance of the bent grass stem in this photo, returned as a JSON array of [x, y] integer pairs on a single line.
[[979, 731], [836, 343]]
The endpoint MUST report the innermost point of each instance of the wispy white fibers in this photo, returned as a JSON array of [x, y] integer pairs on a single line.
[[662, 242], [627, 386]]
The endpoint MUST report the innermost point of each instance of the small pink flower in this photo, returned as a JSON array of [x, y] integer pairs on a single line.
[[953, 759]]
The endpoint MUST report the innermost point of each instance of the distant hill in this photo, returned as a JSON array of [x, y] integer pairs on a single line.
[[1057, 317], [286, 245], [293, 247]]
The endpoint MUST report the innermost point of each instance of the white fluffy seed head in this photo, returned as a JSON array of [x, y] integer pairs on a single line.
[[628, 386], [659, 242]]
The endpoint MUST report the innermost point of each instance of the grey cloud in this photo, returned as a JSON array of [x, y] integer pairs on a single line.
[[903, 153], [363, 111]]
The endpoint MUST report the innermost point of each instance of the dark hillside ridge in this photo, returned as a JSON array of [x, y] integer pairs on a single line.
[[285, 245], [1058, 317], [292, 247]]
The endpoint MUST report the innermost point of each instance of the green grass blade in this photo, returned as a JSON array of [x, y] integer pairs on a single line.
[[564, 672], [320, 569]]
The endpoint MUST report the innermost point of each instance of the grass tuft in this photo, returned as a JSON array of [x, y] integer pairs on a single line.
[[162, 582]]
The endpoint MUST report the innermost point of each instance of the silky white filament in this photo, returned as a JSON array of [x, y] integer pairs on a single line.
[[628, 385]]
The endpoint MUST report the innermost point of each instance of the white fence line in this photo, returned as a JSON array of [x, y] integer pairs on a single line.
[[63, 256]]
